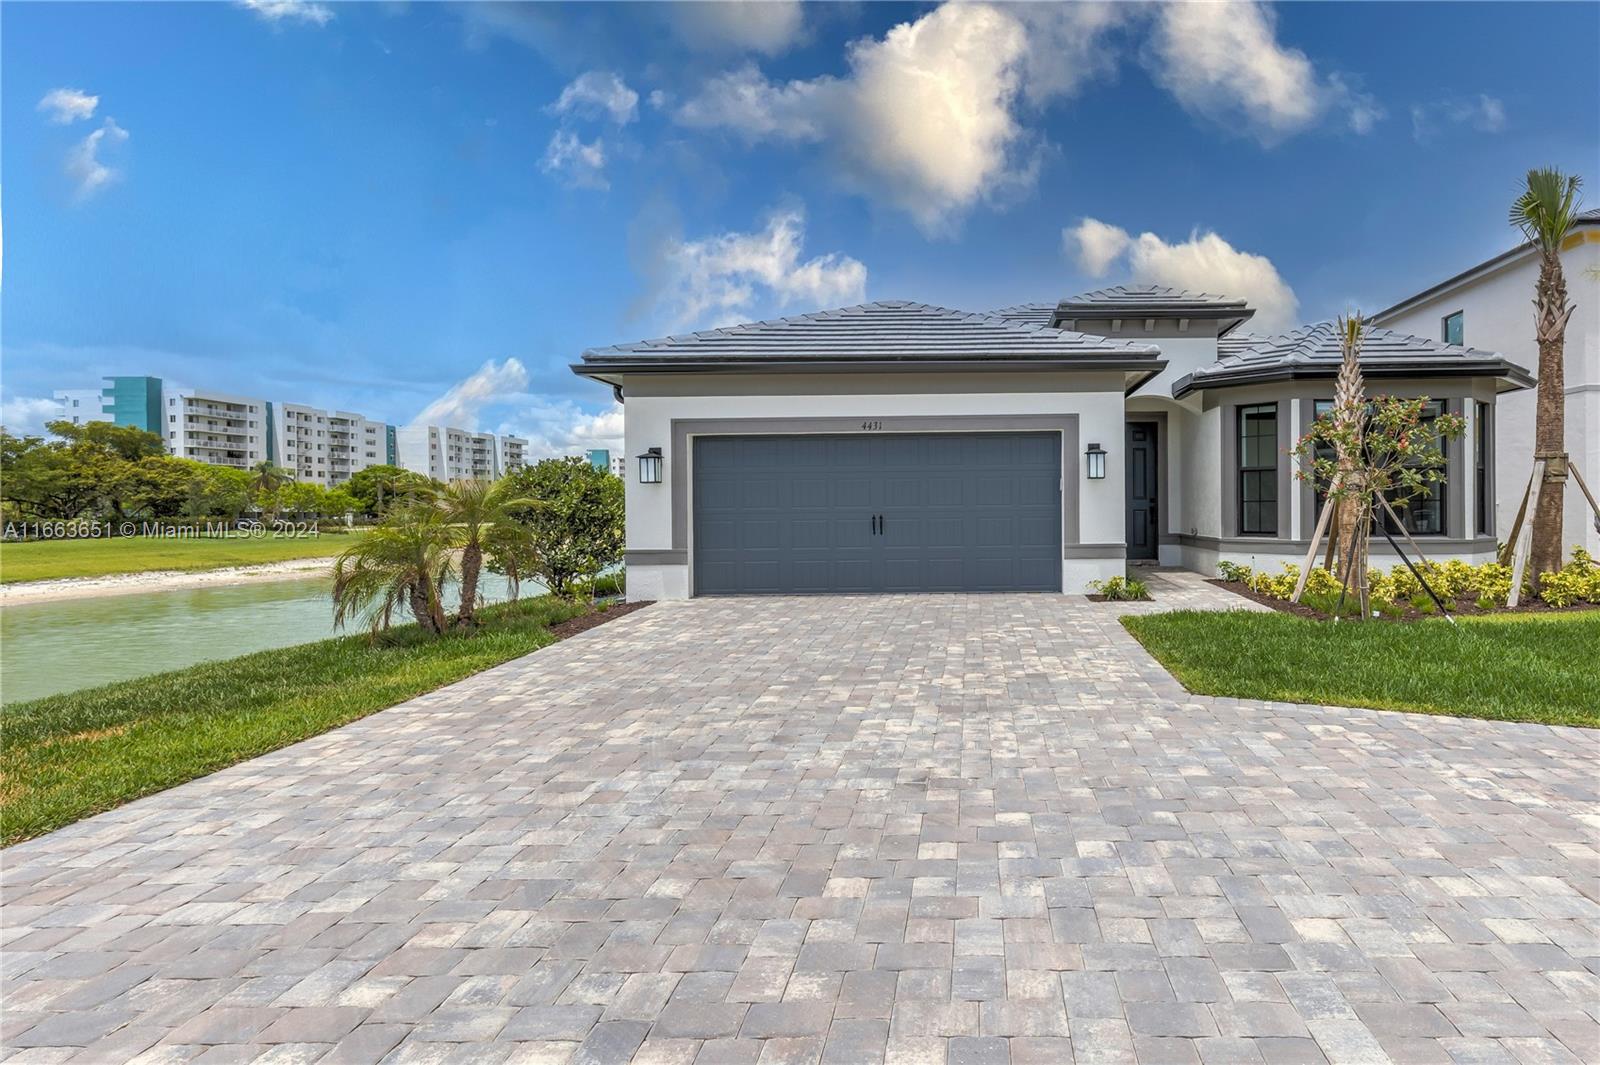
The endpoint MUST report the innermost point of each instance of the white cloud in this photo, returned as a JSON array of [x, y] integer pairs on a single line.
[[64, 106], [598, 92], [728, 277], [1223, 61], [25, 415], [927, 117], [766, 26], [564, 428], [89, 173], [276, 11], [1098, 245], [1484, 113], [491, 384], [577, 164], [1203, 263]]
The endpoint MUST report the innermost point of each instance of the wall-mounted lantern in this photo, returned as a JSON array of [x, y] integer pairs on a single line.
[[650, 466], [1096, 457]]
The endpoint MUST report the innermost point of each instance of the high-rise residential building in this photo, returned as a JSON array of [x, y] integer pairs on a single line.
[[79, 405], [215, 427], [320, 446], [449, 454], [513, 453]]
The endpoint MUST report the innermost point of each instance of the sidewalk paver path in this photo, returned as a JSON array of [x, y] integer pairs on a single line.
[[918, 830]]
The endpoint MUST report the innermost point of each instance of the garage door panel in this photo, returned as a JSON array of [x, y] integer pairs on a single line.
[[795, 514]]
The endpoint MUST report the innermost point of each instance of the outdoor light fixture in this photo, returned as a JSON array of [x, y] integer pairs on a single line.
[[1096, 455], [650, 466]]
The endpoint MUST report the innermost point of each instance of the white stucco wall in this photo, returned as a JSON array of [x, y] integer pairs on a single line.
[[1498, 316], [653, 403]]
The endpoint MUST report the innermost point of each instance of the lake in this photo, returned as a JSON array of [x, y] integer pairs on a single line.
[[46, 648]]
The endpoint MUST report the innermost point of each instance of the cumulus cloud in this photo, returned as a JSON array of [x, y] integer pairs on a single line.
[[766, 26], [927, 116], [26, 415], [1224, 62], [89, 173], [576, 163], [564, 428], [493, 383], [64, 106], [1098, 245], [598, 93], [1484, 113], [1203, 263], [278, 11], [726, 278]]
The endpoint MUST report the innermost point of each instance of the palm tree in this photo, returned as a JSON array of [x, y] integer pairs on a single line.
[[1545, 212], [1349, 414], [402, 564], [474, 507], [265, 479]]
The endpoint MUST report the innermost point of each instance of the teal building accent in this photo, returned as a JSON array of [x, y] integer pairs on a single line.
[[388, 437], [600, 458], [135, 401], [272, 437]]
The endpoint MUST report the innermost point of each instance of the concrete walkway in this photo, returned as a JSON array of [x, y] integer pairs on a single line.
[[909, 829]]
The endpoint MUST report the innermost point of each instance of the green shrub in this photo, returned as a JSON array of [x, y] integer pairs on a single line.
[[1121, 588], [1577, 582], [1232, 571]]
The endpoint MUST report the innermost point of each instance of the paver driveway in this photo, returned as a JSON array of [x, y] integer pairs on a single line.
[[927, 828]]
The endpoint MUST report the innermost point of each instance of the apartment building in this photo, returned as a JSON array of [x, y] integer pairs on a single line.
[[319, 446], [448, 454], [513, 454], [327, 447]]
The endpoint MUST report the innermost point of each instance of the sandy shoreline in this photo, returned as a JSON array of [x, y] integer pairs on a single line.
[[159, 581]]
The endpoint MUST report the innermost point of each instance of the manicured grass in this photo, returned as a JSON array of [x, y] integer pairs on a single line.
[[68, 756], [40, 560], [1529, 667]]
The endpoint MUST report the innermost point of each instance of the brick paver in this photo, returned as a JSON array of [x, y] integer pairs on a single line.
[[909, 829]]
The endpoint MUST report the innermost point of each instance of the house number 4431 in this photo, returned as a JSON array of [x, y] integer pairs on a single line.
[[871, 426]]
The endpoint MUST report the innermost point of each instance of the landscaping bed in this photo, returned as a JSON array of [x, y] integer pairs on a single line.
[[1464, 605], [66, 757], [1536, 667]]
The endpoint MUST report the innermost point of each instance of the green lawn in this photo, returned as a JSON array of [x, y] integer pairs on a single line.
[[1511, 667], [68, 756], [40, 560]]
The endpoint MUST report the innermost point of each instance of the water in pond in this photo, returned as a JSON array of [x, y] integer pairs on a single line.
[[47, 648]]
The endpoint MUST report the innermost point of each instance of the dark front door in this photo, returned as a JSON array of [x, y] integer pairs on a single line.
[[1144, 536], [877, 512]]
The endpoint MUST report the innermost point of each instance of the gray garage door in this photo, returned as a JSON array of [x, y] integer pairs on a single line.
[[885, 512]]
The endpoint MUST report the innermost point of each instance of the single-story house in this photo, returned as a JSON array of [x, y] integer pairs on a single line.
[[900, 447]]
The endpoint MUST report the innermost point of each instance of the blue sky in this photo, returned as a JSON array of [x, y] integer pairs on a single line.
[[375, 206]]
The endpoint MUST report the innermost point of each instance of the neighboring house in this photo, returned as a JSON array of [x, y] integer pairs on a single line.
[[1491, 306], [899, 447]]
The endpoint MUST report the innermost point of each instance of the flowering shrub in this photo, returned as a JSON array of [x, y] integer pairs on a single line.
[[1232, 571]]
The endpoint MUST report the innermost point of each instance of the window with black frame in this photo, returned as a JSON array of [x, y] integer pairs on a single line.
[[1424, 515], [1480, 452], [1258, 470]]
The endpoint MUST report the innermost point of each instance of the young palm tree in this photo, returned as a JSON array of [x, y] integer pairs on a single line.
[[1545, 212], [402, 564], [474, 507], [1349, 414]]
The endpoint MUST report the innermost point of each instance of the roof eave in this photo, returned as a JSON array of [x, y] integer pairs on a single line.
[[1121, 362], [1513, 376]]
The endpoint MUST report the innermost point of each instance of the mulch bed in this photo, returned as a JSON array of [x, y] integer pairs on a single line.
[[1465, 606], [585, 622], [1098, 598]]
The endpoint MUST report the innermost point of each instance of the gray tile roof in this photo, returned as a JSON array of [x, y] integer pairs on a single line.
[[1313, 351], [1238, 341], [1153, 301], [888, 331], [1030, 313]]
